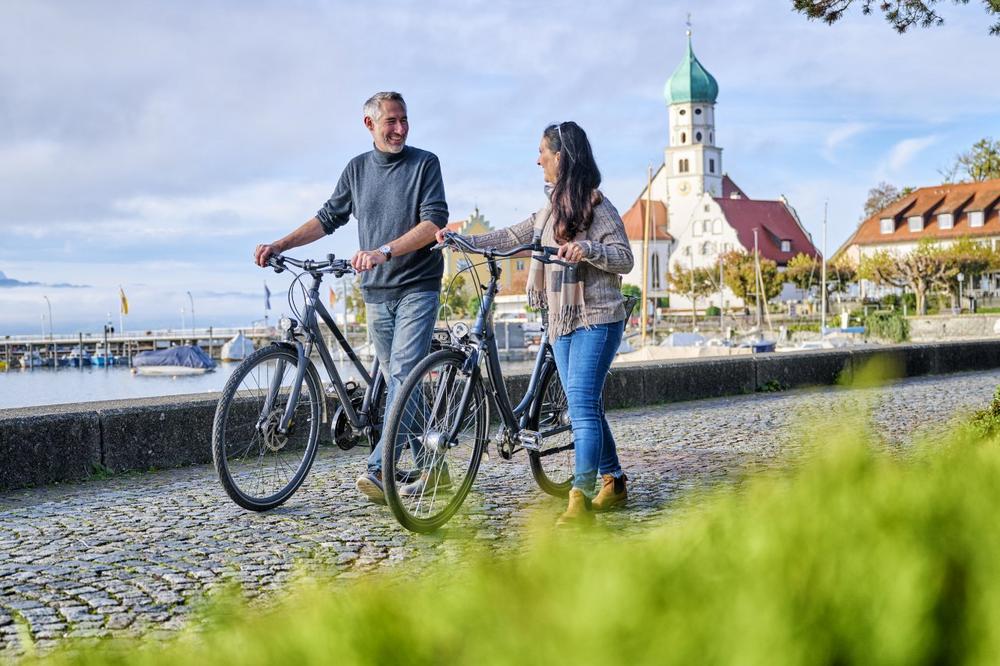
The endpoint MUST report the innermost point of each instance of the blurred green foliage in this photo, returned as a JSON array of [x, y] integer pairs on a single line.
[[854, 555]]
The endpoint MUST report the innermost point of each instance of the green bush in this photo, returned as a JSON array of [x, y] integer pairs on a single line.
[[854, 556], [712, 311], [887, 325]]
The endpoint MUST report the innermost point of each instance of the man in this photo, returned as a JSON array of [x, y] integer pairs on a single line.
[[397, 195]]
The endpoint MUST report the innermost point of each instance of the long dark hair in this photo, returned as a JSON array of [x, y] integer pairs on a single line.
[[573, 197]]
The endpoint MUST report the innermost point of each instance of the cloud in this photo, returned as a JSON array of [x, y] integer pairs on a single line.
[[905, 151], [839, 136]]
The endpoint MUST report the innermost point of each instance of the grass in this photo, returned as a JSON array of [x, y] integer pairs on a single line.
[[853, 555]]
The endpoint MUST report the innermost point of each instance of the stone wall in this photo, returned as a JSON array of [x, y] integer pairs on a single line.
[[41, 445]]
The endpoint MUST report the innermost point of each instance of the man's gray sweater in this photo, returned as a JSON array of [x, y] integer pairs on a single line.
[[389, 194]]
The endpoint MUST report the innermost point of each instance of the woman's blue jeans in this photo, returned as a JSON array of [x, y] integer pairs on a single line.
[[583, 359]]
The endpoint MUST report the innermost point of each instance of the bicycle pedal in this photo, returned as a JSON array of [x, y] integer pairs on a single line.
[[530, 439]]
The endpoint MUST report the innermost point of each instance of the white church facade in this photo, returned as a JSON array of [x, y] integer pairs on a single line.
[[697, 212]]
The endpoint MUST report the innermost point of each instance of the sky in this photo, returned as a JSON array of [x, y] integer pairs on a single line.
[[149, 146]]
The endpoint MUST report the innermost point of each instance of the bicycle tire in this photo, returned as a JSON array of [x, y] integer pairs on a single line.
[[553, 466], [240, 449], [426, 406]]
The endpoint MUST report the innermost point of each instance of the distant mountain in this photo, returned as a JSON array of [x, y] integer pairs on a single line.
[[11, 282]]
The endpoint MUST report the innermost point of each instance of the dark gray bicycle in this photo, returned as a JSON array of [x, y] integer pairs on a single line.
[[440, 419], [269, 418]]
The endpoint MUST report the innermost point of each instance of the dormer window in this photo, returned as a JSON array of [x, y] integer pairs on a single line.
[[916, 222], [976, 218], [887, 225], [786, 246], [946, 221]]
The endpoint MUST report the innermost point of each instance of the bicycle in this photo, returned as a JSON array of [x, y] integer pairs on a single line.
[[267, 423], [439, 421]]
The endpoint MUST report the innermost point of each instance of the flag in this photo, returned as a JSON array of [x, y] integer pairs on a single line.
[[124, 301], [333, 297], [267, 297]]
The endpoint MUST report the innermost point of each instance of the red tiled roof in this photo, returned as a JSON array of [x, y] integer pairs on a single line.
[[729, 187], [774, 223], [958, 199], [635, 219]]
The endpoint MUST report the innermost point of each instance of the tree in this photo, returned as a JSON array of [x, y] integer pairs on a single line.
[[901, 14], [739, 274], [803, 271], [697, 282], [969, 258], [918, 270], [454, 297], [979, 163], [882, 196], [355, 301]]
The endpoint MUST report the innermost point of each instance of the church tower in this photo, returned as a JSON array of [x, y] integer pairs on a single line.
[[693, 161]]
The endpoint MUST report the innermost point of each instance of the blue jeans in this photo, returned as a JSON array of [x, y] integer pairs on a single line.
[[583, 359], [401, 331]]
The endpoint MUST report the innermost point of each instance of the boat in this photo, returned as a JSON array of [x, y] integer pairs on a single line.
[[175, 361], [32, 359], [102, 358], [75, 358], [237, 349]]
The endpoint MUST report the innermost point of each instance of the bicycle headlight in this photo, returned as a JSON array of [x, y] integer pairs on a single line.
[[460, 330], [287, 324]]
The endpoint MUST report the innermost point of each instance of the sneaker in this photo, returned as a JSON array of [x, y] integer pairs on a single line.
[[613, 492], [431, 481], [370, 485], [579, 511]]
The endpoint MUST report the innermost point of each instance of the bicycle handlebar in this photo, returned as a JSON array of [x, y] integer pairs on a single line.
[[542, 253], [336, 266]]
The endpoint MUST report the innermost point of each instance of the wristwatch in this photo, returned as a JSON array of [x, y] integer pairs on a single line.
[[387, 251]]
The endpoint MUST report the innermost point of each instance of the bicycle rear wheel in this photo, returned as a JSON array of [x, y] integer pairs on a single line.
[[438, 424], [554, 466], [259, 467]]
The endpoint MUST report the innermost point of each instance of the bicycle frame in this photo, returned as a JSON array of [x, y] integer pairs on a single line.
[[358, 419], [482, 334]]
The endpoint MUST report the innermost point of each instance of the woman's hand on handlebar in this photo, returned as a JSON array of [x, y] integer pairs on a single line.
[[571, 252], [264, 251]]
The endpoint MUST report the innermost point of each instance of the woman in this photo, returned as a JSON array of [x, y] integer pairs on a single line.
[[585, 304]]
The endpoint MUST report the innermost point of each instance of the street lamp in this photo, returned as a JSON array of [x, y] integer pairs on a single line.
[[961, 278]]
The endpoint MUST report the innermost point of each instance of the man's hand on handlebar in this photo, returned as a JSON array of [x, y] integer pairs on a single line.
[[365, 260], [265, 251]]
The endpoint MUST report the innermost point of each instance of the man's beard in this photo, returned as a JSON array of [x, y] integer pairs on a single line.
[[395, 149]]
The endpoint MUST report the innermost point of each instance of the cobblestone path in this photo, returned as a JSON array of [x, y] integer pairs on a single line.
[[132, 552]]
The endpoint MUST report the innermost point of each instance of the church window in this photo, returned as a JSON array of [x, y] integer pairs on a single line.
[[697, 136], [684, 137], [682, 112], [711, 138], [697, 112], [916, 223], [976, 218], [887, 225], [682, 166], [946, 221], [711, 165], [654, 269]]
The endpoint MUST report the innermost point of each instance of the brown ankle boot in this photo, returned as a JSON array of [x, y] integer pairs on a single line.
[[578, 512], [613, 492]]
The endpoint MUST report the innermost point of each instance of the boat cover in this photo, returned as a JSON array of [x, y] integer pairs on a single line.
[[188, 356]]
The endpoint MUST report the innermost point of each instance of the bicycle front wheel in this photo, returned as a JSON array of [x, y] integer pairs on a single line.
[[260, 467], [553, 467], [438, 424]]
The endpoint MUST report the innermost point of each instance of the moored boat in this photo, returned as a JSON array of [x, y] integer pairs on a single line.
[[175, 361], [237, 349]]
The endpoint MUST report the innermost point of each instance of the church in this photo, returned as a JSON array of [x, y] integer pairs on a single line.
[[697, 213]]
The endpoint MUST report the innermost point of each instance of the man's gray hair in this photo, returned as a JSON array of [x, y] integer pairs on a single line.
[[373, 107]]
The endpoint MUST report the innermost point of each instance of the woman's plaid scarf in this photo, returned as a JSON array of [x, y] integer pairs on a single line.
[[556, 288]]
